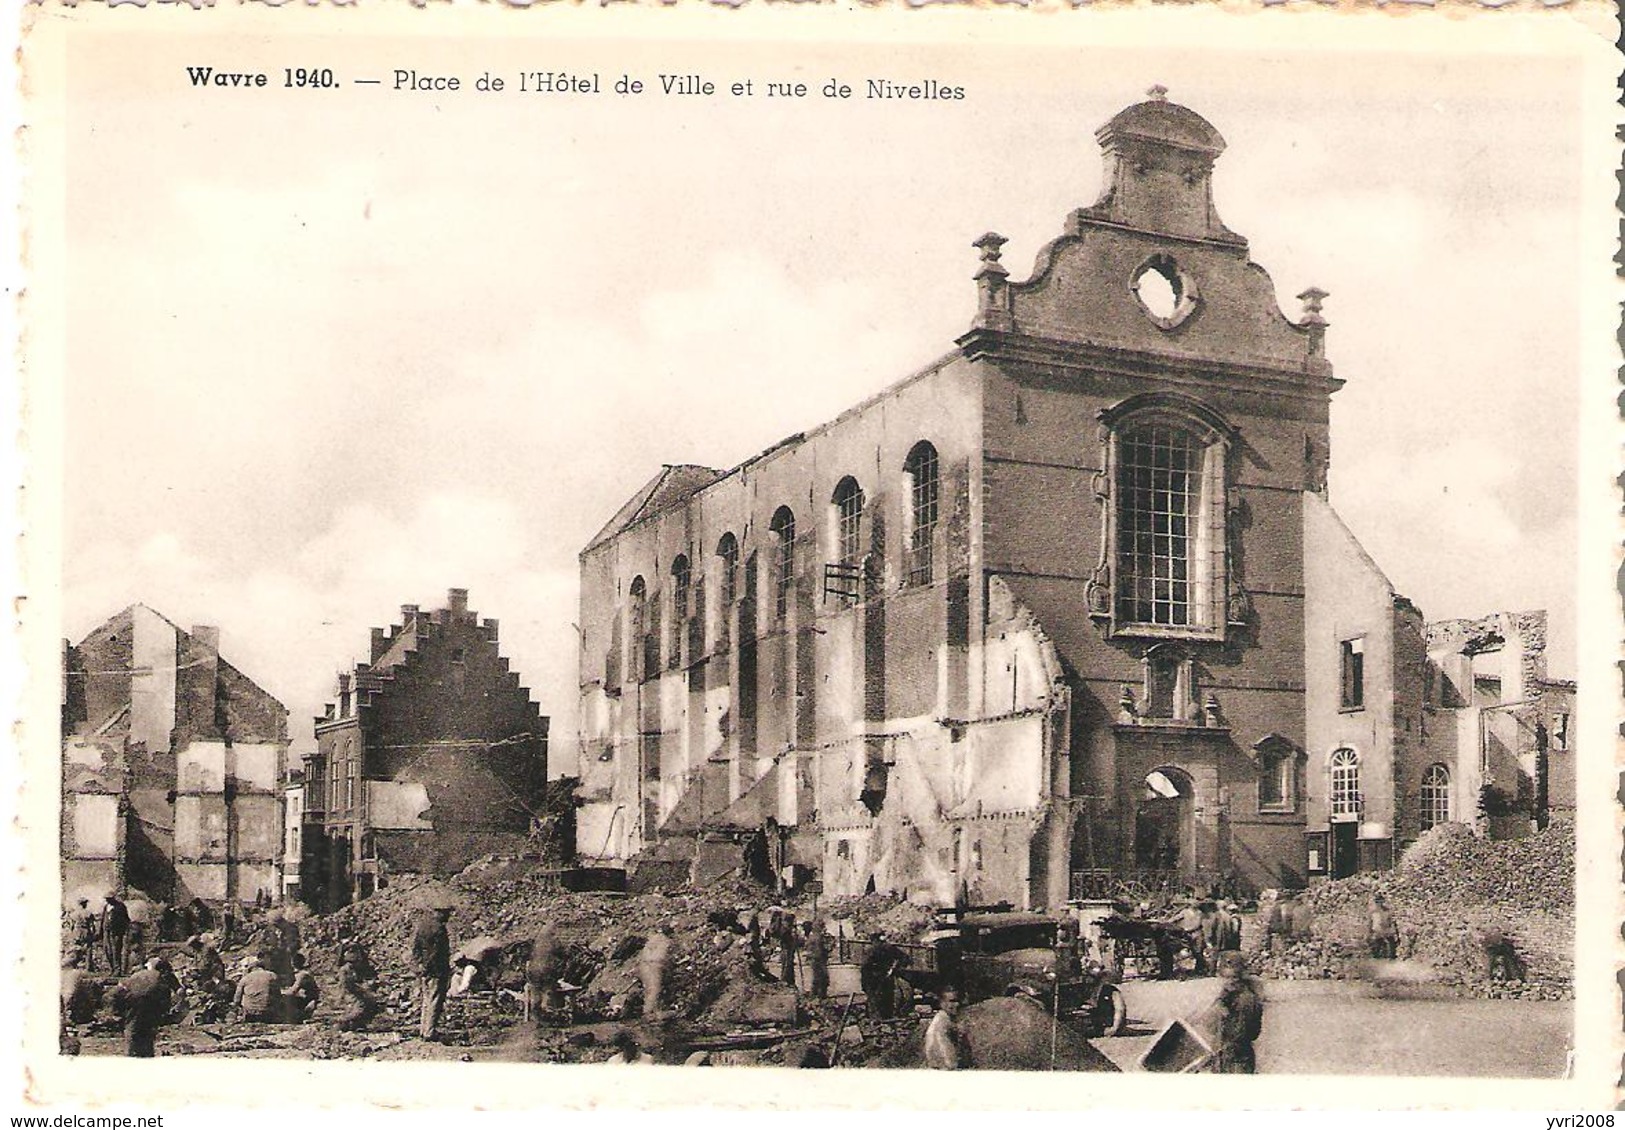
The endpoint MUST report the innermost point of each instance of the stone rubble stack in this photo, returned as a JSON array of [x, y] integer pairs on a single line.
[[1450, 890]]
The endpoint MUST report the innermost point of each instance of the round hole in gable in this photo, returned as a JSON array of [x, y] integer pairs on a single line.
[[1158, 287]]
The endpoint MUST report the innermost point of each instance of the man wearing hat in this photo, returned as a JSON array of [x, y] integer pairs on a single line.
[[84, 928], [431, 959], [115, 928]]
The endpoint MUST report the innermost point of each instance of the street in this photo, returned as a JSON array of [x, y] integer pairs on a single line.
[[1344, 1028]]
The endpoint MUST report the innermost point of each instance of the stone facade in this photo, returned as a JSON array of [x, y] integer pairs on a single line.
[[1453, 722], [433, 755], [172, 765], [1031, 616]]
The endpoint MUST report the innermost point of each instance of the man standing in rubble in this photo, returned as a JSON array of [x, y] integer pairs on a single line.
[[115, 929], [653, 963], [83, 925], [789, 942], [431, 959], [1241, 1016], [817, 958], [878, 976], [1382, 931]]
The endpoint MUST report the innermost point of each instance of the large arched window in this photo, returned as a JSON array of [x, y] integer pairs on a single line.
[[1168, 554], [637, 625], [848, 502], [1345, 769], [783, 526], [727, 572], [681, 580], [1435, 796], [924, 492]]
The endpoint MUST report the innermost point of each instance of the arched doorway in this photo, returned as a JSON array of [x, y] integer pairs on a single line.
[[1165, 824]]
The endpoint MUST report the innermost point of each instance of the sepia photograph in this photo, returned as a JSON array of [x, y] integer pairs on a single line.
[[898, 547]]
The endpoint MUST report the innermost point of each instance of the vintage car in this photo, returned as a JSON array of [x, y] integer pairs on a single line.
[[1016, 953]]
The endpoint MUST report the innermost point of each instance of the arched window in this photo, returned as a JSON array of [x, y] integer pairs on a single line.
[[783, 526], [680, 582], [848, 502], [637, 625], [1435, 796], [1345, 768], [728, 572], [1168, 552], [924, 495], [1277, 760]]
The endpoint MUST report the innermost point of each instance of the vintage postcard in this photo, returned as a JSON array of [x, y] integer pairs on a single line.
[[1074, 545]]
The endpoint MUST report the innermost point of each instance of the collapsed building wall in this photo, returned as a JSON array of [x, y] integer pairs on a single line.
[[1495, 710]]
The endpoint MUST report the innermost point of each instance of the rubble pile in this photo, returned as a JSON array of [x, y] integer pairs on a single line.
[[891, 915], [710, 981], [1311, 959], [1450, 891]]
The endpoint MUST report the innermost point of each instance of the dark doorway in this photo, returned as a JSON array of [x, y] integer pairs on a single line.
[[1164, 832], [1345, 848]]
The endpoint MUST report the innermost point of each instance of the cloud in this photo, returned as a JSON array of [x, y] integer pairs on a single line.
[[294, 623]]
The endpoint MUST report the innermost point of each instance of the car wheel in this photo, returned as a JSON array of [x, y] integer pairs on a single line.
[[1111, 1014]]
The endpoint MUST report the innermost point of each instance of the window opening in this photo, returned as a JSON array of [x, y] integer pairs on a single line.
[[1435, 796], [680, 581], [639, 617], [1353, 664], [1160, 480], [848, 521], [728, 577], [924, 491], [1345, 783], [1159, 290], [784, 531]]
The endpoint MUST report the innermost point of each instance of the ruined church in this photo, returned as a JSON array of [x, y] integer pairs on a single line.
[[1067, 605]]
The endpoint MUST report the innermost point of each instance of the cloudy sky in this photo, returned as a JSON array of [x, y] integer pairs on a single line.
[[335, 352]]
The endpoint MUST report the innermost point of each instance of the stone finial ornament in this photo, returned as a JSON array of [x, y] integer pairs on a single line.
[[1312, 300], [1313, 320], [993, 295]]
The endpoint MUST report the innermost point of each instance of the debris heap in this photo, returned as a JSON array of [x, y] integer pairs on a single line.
[[1452, 890]]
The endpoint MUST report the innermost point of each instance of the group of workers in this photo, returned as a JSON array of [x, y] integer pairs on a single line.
[[1289, 918], [275, 984], [110, 932], [272, 984]]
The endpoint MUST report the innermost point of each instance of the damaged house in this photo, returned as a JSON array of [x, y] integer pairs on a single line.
[[172, 766], [1414, 724], [433, 755], [1035, 619]]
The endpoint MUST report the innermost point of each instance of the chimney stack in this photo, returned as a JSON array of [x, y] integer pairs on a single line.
[[380, 644], [409, 612], [457, 601]]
